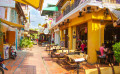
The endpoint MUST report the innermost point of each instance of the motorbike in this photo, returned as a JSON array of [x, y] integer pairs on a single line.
[[13, 52], [2, 66]]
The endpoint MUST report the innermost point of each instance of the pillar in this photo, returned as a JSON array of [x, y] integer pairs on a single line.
[[95, 39], [70, 37], [61, 35], [74, 38]]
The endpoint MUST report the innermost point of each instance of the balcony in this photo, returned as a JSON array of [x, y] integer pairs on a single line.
[[110, 1], [59, 16], [71, 7], [79, 4]]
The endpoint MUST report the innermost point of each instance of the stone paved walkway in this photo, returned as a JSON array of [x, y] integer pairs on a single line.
[[35, 61]]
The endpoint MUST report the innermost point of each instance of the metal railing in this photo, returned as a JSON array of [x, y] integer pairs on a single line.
[[58, 16], [110, 1], [71, 7]]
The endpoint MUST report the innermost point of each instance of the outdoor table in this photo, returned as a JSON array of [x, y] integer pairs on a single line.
[[78, 59]]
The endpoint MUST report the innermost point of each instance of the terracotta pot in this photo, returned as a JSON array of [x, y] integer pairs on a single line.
[[119, 63]]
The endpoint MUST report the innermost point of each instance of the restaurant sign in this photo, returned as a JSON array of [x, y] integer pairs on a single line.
[[7, 3]]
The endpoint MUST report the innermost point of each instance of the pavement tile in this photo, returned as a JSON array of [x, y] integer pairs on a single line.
[[37, 61]]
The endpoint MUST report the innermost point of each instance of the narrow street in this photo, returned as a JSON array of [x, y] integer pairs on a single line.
[[35, 61]]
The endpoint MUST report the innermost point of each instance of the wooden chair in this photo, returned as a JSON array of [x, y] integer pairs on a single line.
[[100, 59]]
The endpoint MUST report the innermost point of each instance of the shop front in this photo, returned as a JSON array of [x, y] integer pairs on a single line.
[[88, 29]]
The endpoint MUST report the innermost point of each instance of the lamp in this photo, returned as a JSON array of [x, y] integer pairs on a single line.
[[68, 21], [59, 25], [80, 14], [63, 23], [107, 11], [89, 9]]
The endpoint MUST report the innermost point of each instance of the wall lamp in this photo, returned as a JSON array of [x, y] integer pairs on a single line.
[[89, 9], [80, 14]]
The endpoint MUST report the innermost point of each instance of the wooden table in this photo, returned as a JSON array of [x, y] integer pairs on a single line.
[[77, 59]]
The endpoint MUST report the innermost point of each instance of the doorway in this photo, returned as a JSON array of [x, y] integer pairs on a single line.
[[66, 38], [111, 35], [81, 33]]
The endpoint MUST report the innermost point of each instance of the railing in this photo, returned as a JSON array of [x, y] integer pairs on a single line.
[[59, 16], [71, 7], [110, 1]]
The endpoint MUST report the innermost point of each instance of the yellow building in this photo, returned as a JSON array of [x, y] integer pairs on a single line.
[[86, 21]]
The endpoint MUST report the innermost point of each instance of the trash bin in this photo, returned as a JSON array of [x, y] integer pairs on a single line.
[[6, 51]]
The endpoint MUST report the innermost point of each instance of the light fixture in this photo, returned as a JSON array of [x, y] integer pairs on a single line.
[[68, 21], [63, 23], [80, 14], [107, 11], [89, 9], [59, 25]]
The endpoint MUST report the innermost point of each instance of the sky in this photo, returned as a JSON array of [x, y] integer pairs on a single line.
[[35, 17]]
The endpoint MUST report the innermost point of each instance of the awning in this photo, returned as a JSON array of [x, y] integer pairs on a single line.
[[12, 24], [37, 4], [49, 10]]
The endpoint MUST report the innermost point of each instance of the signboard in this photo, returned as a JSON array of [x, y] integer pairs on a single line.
[[7, 3], [2, 12]]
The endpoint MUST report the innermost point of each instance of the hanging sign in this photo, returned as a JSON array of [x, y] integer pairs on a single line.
[[7, 3]]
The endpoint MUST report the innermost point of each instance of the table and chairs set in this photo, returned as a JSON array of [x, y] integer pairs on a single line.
[[71, 57]]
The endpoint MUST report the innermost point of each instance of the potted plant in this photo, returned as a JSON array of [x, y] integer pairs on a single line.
[[116, 49]]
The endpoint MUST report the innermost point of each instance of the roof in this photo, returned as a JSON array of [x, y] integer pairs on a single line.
[[49, 10], [55, 8], [37, 4]]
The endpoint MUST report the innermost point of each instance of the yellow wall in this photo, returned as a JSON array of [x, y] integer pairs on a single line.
[[70, 37], [72, 1], [74, 39], [95, 39], [95, 31], [61, 35]]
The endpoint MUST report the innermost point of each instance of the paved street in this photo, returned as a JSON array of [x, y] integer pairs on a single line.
[[35, 61]]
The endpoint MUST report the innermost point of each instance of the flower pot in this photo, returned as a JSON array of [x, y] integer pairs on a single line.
[[119, 64]]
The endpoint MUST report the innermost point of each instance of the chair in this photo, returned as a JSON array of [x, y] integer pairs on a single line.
[[99, 58]]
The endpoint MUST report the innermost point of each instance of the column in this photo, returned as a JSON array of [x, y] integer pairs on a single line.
[[74, 38], [61, 32], [95, 39], [70, 37]]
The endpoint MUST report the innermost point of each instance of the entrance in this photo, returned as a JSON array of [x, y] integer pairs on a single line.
[[111, 35], [66, 38], [81, 35]]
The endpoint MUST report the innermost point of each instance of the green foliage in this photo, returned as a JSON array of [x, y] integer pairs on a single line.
[[26, 42], [116, 49]]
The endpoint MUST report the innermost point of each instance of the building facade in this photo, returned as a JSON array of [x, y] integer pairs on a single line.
[[87, 21], [12, 19]]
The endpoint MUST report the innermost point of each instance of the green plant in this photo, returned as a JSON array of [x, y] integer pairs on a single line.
[[116, 49], [26, 42]]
